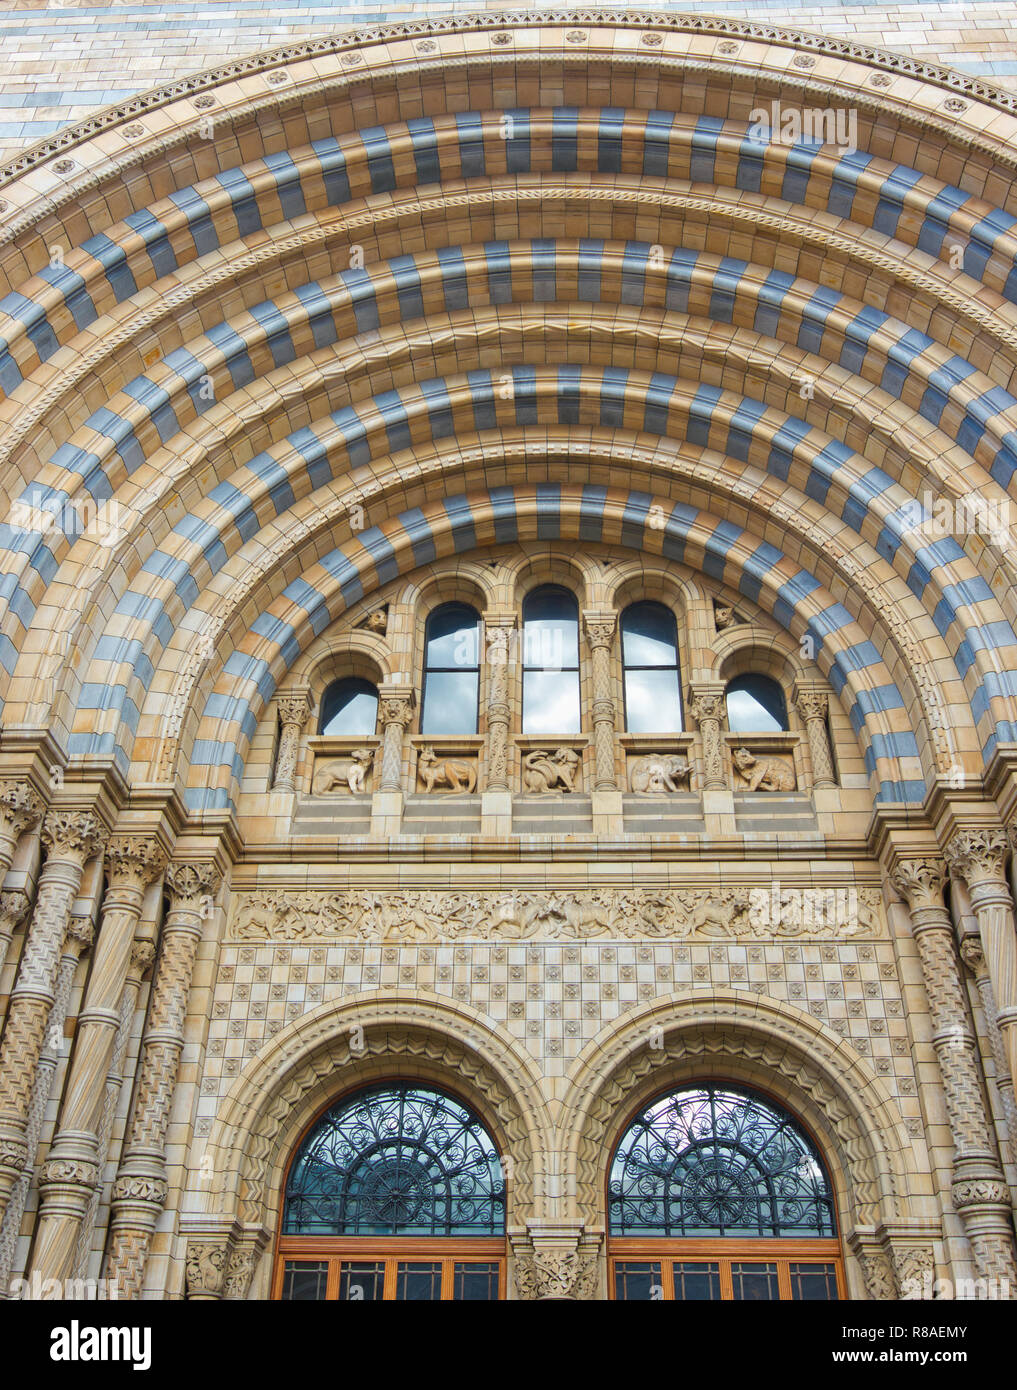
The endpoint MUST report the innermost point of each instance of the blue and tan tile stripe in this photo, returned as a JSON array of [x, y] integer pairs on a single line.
[[214, 350]]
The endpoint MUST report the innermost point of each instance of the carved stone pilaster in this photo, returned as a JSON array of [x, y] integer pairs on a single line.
[[978, 857], [813, 706], [396, 713], [21, 807], [978, 1188], [140, 1188], [133, 862], [973, 956], [205, 1268], [498, 627], [600, 630], [706, 705], [13, 909], [70, 838], [294, 711]]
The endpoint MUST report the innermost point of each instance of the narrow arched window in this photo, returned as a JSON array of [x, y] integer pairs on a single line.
[[349, 708], [755, 705], [649, 637], [718, 1193], [551, 662], [451, 671]]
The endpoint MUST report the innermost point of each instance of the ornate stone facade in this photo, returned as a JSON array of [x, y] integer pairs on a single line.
[[499, 349]]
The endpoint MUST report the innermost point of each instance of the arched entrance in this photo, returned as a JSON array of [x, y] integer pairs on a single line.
[[395, 1193], [717, 1193]]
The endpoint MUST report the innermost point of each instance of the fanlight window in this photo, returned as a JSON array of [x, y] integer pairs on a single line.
[[550, 662], [755, 705], [349, 707], [451, 671], [649, 637], [396, 1161], [716, 1162]]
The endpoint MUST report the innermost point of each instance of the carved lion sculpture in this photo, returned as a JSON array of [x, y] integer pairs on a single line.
[[351, 771], [544, 770], [763, 774], [659, 772], [457, 774]]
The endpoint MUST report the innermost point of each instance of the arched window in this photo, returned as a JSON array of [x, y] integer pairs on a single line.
[[550, 662], [755, 705], [395, 1193], [451, 671], [349, 707], [717, 1193], [649, 638]]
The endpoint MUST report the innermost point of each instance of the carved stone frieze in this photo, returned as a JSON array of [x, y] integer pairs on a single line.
[[667, 913]]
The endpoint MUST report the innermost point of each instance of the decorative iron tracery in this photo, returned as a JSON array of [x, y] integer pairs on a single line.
[[717, 1162], [398, 1160]]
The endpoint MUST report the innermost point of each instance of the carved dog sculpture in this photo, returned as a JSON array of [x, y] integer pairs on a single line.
[[455, 773], [543, 771], [766, 774], [353, 771], [659, 772]]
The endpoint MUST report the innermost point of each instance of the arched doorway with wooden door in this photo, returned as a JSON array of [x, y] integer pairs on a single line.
[[395, 1193], [715, 1192]]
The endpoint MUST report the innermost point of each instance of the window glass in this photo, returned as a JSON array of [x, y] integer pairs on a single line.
[[451, 671], [755, 705], [551, 662], [649, 638], [349, 708]]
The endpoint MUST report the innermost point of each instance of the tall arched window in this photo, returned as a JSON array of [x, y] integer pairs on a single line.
[[550, 662], [349, 707], [649, 638], [451, 671], [395, 1193], [755, 705], [716, 1193]]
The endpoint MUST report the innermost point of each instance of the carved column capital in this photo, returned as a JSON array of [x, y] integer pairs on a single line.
[[295, 708], [205, 1267], [811, 702], [555, 1268], [977, 856], [134, 861], [142, 958], [396, 709], [21, 807], [13, 910], [920, 882], [189, 883], [973, 956], [74, 836], [600, 628]]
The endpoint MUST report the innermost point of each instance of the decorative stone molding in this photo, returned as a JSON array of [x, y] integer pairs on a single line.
[[629, 913], [294, 711]]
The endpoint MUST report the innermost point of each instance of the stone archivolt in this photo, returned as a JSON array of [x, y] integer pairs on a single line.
[[632, 913]]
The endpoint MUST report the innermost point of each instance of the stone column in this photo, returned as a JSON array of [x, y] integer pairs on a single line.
[[977, 856], [294, 711], [142, 960], [73, 1166], [20, 808], [77, 941], [140, 1189], [498, 627], [974, 958], [13, 907], [978, 1188], [812, 706], [600, 630], [70, 839], [396, 713], [706, 704]]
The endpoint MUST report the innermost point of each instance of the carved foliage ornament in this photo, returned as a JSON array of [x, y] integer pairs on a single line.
[[20, 806], [74, 835], [134, 861], [919, 882], [188, 883], [667, 913], [977, 855], [556, 1274], [205, 1267]]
